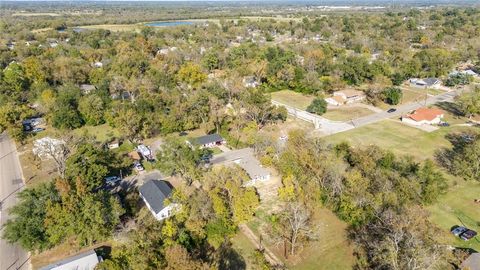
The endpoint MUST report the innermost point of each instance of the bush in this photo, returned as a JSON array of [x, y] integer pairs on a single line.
[[318, 106], [393, 95]]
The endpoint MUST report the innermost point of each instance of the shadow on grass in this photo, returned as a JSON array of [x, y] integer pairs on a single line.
[[451, 108]]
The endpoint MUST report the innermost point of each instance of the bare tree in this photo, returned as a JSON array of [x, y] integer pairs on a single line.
[[295, 226]]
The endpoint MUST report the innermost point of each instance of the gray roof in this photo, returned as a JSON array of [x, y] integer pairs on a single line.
[[154, 192], [244, 158], [472, 262], [83, 261], [203, 140], [430, 81]]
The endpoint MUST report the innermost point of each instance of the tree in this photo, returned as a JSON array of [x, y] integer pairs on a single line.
[[177, 258], [91, 164], [294, 225], [58, 150], [92, 108], [469, 103], [458, 79], [176, 157], [191, 74], [463, 159], [318, 106], [393, 95], [27, 226], [15, 79], [65, 114]]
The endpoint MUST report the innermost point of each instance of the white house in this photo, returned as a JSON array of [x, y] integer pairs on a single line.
[[155, 193], [246, 159], [335, 100], [424, 116], [345, 97], [207, 141], [83, 261]]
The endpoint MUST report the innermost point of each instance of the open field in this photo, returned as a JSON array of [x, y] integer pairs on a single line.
[[245, 249], [292, 98], [397, 137], [345, 113], [457, 207], [113, 27], [101, 133], [33, 14]]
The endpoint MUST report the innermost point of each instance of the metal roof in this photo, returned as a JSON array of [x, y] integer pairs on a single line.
[[154, 192], [83, 261]]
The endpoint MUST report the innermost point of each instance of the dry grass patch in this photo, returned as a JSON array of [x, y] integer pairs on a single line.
[[294, 99], [346, 113]]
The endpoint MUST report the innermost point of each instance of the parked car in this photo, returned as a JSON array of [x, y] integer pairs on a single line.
[[468, 234], [391, 110], [444, 124], [112, 180], [458, 230], [138, 166]]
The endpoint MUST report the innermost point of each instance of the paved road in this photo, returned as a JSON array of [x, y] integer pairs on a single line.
[[11, 256], [403, 109]]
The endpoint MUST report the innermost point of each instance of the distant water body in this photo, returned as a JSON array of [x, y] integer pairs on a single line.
[[170, 23]]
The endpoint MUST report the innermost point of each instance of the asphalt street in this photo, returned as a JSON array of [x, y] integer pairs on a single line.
[[11, 256]]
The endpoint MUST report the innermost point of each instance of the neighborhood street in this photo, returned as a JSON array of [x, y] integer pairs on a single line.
[[11, 256], [403, 109], [328, 127]]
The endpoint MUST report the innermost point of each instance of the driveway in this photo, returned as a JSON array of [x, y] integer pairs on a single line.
[[11, 182]]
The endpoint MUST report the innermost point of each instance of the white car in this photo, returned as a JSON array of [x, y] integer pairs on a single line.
[[138, 166]]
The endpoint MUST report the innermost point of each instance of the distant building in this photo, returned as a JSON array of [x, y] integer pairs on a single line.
[[83, 261], [250, 81], [134, 155], [154, 193], [426, 83], [246, 159], [345, 97], [207, 141], [87, 88], [424, 116], [98, 64], [114, 144]]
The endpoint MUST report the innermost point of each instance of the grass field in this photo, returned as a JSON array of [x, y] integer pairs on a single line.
[[397, 137], [457, 207], [242, 245], [346, 113], [292, 98], [101, 132], [114, 27]]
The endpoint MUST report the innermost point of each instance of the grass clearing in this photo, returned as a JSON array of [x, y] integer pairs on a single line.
[[245, 249], [101, 133], [344, 113], [457, 207], [114, 27], [292, 98], [397, 137]]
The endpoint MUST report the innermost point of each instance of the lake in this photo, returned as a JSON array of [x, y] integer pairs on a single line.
[[170, 23]]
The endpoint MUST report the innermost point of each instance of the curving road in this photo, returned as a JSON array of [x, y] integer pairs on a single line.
[[11, 181]]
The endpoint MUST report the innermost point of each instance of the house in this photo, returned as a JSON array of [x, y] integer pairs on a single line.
[[145, 151], [87, 88], [113, 144], [98, 64], [83, 261], [246, 159], [335, 100], [250, 81], [424, 116], [155, 193], [46, 148], [207, 141], [349, 96], [425, 83], [472, 262]]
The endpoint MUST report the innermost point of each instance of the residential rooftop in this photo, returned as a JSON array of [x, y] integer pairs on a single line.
[[155, 192]]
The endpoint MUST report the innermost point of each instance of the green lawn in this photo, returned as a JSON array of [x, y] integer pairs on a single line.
[[457, 207], [242, 245], [101, 132], [292, 98], [346, 113], [397, 137]]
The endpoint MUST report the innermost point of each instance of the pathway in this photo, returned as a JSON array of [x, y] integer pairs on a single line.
[[269, 255]]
